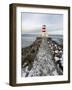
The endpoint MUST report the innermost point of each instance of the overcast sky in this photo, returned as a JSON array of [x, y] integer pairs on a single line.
[[32, 23]]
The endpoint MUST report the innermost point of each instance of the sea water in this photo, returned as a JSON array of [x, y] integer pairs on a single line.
[[28, 39]]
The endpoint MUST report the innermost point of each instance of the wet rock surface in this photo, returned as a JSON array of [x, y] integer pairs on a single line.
[[42, 58]]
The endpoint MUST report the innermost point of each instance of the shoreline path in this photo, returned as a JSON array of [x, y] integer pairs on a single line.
[[43, 64]]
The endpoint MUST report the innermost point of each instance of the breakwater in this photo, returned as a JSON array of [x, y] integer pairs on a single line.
[[42, 58]]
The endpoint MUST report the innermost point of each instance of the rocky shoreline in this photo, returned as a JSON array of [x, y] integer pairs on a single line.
[[29, 55]]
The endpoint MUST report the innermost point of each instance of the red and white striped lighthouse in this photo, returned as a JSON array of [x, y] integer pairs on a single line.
[[43, 31], [43, 28]]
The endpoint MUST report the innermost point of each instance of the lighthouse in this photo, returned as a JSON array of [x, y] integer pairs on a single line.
[[44, 32]]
